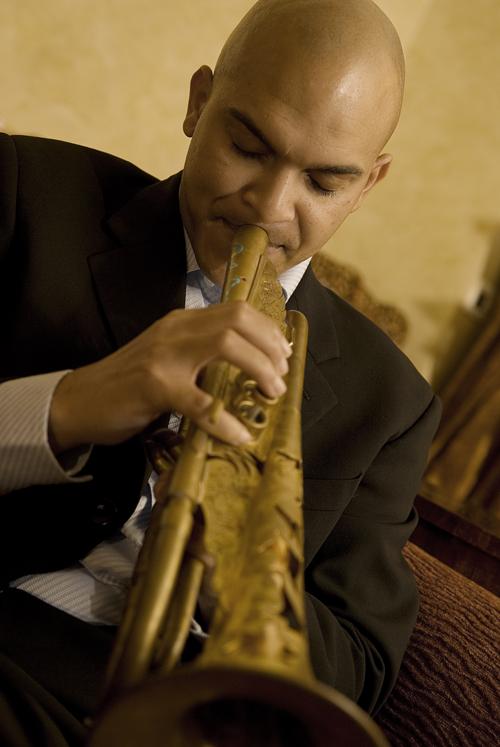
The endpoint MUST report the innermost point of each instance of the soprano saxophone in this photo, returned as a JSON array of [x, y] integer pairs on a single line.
[[231, 516]]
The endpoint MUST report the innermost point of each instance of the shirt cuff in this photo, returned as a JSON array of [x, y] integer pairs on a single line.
[[25, 455]]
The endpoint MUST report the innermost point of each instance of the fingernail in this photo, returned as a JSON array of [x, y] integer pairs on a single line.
[[243, 437], [287, 348], [283, 368], [279, 386]]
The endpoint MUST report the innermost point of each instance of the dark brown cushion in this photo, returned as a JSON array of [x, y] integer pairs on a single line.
[[447, 693]]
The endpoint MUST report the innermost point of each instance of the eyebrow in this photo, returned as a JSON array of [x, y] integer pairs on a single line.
[[337, 170]]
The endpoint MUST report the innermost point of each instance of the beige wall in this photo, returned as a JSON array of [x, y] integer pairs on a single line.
[[425, 235], [114, 74]]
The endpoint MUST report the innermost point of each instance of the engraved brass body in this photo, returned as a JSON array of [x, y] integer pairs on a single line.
[[252, 685]]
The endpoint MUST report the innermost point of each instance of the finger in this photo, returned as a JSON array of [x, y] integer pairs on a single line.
[[199, 409], [230, 346], [257, 328], [262, 332]]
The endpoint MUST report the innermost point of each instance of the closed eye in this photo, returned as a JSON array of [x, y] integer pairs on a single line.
[[258, 156], [322, 191]]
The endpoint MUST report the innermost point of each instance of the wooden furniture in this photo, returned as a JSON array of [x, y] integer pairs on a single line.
[[469, 548], [347, 283], [464, 468]]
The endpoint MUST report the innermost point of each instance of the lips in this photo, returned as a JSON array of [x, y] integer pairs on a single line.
[[273, 244]]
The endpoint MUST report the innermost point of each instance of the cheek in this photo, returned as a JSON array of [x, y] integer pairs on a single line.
[[219, 172], [231, 175], [319, 219]]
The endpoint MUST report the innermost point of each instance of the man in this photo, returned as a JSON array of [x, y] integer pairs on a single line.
[[286, 134]]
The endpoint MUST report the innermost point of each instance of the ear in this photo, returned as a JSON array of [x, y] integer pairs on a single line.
[[378, 172], [199, 93]]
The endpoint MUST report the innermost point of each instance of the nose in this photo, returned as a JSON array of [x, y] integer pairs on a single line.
[[271, 195]]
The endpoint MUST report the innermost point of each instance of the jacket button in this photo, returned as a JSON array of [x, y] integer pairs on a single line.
[[104, 514]]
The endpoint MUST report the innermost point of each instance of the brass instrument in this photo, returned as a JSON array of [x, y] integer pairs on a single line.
[[237, 512]]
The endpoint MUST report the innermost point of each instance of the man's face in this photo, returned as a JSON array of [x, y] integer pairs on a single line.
[[293, 159]]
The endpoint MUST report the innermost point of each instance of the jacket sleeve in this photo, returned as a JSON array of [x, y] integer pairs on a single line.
[[49, 525], [361, 595], [8, 193]]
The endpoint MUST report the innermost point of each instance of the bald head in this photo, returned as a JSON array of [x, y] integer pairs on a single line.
[[288, 132], [347, 48]]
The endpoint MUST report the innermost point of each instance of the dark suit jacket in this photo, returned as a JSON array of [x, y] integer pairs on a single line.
[[91, 253]]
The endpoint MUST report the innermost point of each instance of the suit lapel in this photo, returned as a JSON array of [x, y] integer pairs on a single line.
[[311, 299], [143, 276]]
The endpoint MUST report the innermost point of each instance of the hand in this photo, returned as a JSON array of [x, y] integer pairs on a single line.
[[111, 400]]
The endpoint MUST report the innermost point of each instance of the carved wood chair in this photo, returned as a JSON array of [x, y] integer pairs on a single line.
[[349, 285]]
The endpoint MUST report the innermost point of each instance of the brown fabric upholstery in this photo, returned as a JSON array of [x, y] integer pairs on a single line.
[[447, 694]]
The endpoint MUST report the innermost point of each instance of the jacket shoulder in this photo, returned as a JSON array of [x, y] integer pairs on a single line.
[[8, 190], [56, 165]]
